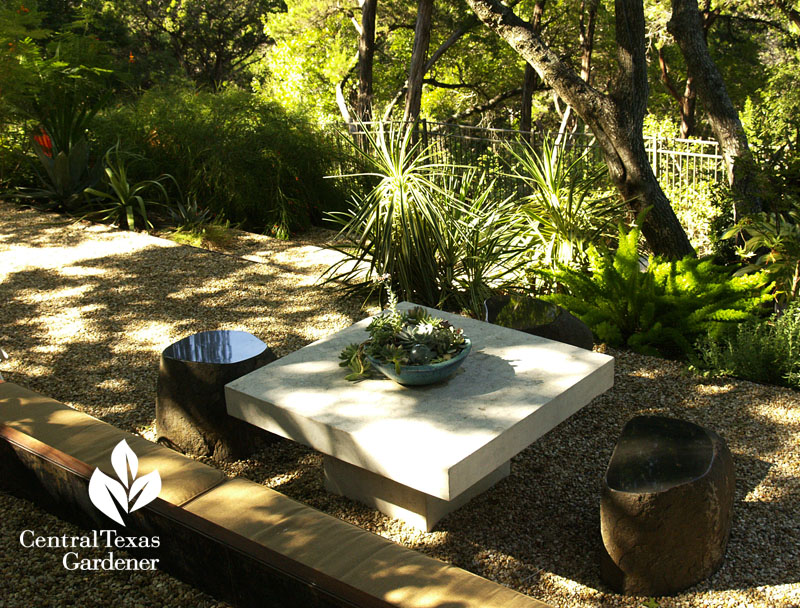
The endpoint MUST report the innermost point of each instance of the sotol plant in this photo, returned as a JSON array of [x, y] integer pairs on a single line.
[[438, 230]]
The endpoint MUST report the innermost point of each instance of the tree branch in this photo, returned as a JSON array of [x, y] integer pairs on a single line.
[[493, 102], [665, 77]]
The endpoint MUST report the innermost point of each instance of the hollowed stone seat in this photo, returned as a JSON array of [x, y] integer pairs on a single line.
[[665, 508]]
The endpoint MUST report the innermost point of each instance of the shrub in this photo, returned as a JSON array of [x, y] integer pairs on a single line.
[[767, 351], [662, 309], [440, 234], [243, 157]]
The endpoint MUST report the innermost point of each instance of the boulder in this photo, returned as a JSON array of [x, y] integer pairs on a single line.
[[539, 318]]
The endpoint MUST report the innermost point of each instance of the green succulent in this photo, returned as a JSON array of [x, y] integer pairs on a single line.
[[411, 338]]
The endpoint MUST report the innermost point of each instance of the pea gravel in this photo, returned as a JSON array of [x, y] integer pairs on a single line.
[[86, 309]]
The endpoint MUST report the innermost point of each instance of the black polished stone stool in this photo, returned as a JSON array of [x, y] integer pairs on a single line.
[[190, 407], [665, 509]]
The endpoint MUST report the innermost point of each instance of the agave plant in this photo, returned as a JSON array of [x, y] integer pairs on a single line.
[[66, 173], [566, 212], [126, 203]]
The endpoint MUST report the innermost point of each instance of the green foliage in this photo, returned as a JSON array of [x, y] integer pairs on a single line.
[[661, 309], [773, 243], [214, 40], [440, 234], [244, 157], [215, 234], [20, 30], [564, 208], [409, 338], [124, 203], [197, 226], [763, 351]]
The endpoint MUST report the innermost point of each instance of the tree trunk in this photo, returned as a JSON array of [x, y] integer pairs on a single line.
[[686, 26], [366, 53], [416, 72], [466, 26], [587, 25], [615, 119], [529, 78], [687, 102]]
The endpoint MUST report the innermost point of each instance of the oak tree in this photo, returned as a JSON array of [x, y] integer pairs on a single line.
[[616, 117]]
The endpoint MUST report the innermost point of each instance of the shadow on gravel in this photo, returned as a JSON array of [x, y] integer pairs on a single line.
[[90, 331]]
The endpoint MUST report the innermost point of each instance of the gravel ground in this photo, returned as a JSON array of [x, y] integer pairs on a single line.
[[86, 311]]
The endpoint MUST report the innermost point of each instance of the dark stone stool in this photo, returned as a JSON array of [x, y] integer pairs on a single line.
[[539, 318], [190, 408], [665, 509]]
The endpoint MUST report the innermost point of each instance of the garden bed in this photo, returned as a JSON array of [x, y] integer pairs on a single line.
[[87, 310]]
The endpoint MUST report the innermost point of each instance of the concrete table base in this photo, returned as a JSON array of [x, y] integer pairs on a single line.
[[396, 500]]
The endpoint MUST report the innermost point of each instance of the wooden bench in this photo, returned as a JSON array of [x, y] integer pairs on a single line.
[[235, 539]]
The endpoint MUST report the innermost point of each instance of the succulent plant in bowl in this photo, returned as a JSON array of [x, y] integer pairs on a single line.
[[412, 347]]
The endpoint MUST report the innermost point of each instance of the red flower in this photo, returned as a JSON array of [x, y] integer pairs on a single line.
[[130, 57], [45, 143]]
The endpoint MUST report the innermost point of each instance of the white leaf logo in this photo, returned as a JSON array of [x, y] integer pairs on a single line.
[[101, 490], [149, 485], [123, 459], [109, 495]]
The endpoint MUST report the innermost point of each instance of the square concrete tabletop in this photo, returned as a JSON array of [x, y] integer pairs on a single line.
[[438, 439]]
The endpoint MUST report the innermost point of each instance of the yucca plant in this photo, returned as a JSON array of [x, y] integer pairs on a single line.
[[394, 228], [124, 203], [565, 207], [488, 244], [433, 227]]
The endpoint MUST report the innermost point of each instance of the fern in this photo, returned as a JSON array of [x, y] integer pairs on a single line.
[[662, 309]]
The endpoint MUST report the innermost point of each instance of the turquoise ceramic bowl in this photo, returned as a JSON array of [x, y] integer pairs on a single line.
[[419, 375]]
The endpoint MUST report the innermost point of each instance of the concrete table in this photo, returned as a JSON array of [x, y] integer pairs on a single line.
[[418, 453]]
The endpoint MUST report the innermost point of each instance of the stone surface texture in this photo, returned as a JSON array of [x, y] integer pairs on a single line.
[[190, 403], [88, 309], [666, 505]]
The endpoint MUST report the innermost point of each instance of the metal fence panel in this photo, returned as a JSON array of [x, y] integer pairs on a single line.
[[683, 167]]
